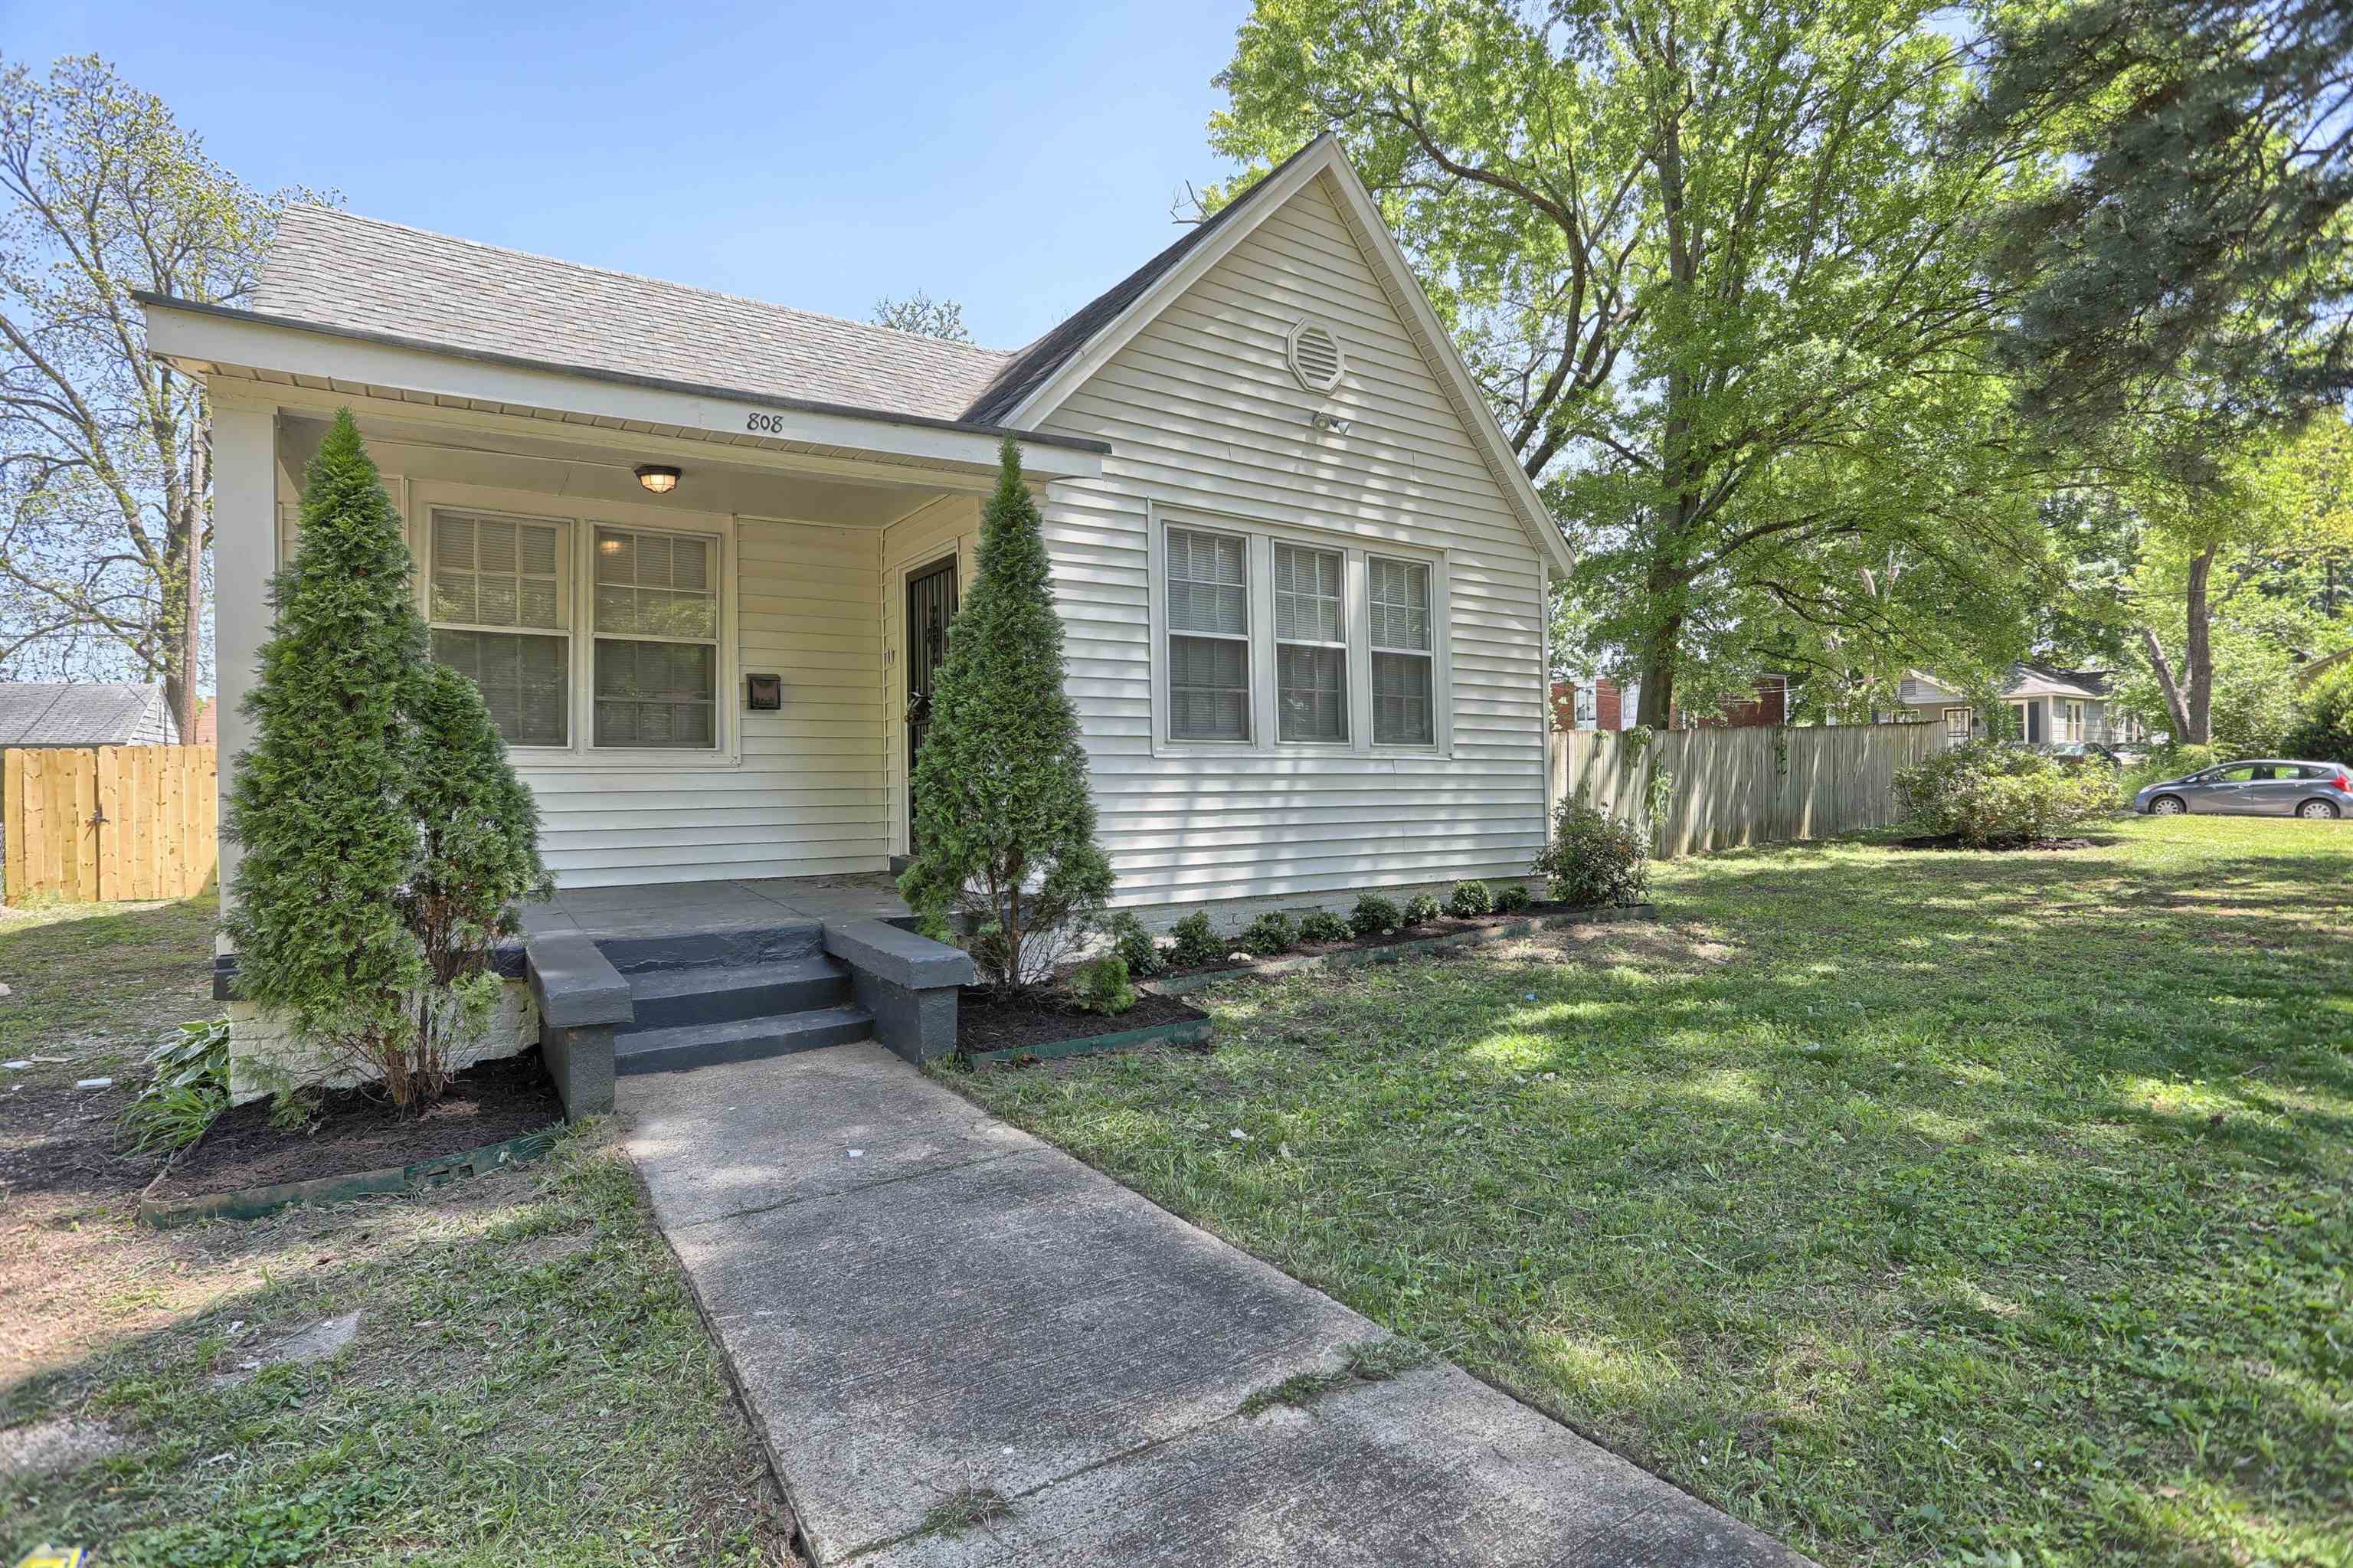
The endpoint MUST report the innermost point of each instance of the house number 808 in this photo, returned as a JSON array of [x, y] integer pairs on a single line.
[[765, 424]]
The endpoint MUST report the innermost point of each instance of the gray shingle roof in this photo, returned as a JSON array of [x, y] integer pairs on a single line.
[[361, 274], [53, 714]]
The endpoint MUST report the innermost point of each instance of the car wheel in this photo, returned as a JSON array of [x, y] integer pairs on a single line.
[[2318, 811], [2167, 805]]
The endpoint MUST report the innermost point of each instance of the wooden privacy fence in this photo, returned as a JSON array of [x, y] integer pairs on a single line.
[[109, 823], [1731, 787]]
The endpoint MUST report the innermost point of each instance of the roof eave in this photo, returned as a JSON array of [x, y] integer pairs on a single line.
[[194, 332]]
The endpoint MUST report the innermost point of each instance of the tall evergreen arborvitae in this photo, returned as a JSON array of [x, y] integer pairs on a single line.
[[1004, 825], [477, 849], [320, 806], [385, 838]]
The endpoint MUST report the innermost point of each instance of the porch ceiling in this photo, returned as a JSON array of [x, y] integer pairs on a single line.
[[600, 466]]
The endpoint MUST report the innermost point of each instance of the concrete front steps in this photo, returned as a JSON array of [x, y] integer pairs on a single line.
[[734, 996], [614, 1005]]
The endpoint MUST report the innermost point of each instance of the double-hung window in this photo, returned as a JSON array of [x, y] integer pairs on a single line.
[[1295, 641], [629, 663], [500, 597], [1404, 679], [657, 632], [1208, 636], [1311, 646]]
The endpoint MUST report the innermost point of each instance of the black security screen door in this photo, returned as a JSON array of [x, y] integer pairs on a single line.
[[931, 606]]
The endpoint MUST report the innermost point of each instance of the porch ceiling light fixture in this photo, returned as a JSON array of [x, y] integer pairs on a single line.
[[659, 477]]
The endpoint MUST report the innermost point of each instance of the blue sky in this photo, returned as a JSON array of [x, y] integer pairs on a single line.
[[1016, 157]]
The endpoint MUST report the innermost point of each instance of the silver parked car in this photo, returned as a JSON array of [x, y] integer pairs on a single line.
[[2256, 789]]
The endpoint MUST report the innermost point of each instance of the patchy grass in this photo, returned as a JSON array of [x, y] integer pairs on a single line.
[[967, 1507], [528, 1383], [1376, 1362], [1917, 1207]]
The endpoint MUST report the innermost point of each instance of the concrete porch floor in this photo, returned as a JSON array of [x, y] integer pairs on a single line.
[[684, 908]]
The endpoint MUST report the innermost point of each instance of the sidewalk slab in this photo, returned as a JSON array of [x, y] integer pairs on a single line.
[[964, 1307]]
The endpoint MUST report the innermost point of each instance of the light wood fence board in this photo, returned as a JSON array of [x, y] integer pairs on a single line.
[[108, 823]]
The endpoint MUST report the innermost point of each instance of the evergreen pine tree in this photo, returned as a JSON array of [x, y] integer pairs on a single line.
[[1005, 826], [478, 856], [321, 805]]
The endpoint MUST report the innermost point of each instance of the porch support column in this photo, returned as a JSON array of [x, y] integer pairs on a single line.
[[245, 556]]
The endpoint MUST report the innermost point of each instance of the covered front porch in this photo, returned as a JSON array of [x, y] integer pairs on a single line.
[[688, 908], [695, 620]]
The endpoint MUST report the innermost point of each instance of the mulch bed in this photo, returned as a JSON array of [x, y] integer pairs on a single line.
[[987, 1021], [1954, 841], [358, 1130], [1444, 926]]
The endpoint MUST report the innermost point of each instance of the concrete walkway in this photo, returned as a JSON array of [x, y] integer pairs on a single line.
[[920, 1301]]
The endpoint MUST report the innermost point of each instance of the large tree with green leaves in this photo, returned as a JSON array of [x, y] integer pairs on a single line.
[[1716, 263], [105, 464], [1004, 825], [2201, 238]]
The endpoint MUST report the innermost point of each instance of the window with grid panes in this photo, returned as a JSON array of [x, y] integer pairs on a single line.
[[498, 599], [1208, 636], [655, 621], [1311, 646], [1404, 673]]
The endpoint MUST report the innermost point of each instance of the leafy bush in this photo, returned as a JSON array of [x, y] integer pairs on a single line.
[[2322, 730], [1469, 900], [188, 1089], [1323, 926], [1100, 985], [1374, 914], [1133, 944], [1511, 898], [1270, 934], [1421, 909], [1989, 792], [1004, 829], [1594, 858], [1197, 944]]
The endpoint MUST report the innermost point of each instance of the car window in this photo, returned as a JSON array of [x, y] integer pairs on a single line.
[[2239, 775]]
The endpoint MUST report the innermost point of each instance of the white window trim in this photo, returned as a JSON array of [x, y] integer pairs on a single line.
[[1259, 536], [425, 497]]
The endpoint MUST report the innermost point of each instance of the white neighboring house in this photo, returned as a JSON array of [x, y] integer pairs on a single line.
[[46, 713], [698, 550], [2046, 707]]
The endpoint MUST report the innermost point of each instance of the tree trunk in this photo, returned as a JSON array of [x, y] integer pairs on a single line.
[[2198, 652], [2176, 709], [1658, 674], [1668, 581]]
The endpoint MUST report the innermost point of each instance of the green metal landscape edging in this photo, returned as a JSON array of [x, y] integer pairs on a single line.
[[1182, 1032], [1357, 958], [252, 1202]]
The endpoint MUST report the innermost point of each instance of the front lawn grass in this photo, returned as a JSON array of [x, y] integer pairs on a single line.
[[1917, 1207]]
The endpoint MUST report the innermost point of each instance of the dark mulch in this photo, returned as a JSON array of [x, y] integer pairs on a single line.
[[1444, 926], [1955, 842], [358, 1130], [61, 1141], [987, 1021]]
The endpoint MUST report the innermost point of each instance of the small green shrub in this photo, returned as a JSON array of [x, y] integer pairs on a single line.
[[1374, 914], [1469, 900], [2168, 763], [1270, 934], [2322, 730], [1989, 792], [1133, 944], [1197, 944], [1323, 926], [1594, 858], [1511, 898], [189, 1087], [1100, 985], [1421, 909]]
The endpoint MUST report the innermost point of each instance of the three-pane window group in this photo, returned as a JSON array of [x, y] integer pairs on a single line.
[[1210, 637]]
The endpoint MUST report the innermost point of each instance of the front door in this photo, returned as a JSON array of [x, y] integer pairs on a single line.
[[931, 607]]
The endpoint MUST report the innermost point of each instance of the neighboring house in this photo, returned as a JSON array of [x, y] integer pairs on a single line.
[[701, 553], [60, 713], [1604, 705], [2046, 707], [207, 723], [2306, 674]]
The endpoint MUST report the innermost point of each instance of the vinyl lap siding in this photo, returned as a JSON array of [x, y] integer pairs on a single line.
[[806, 797], [1202, 412]]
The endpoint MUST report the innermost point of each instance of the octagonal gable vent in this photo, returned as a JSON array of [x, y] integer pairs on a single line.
[[1315, 356]]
